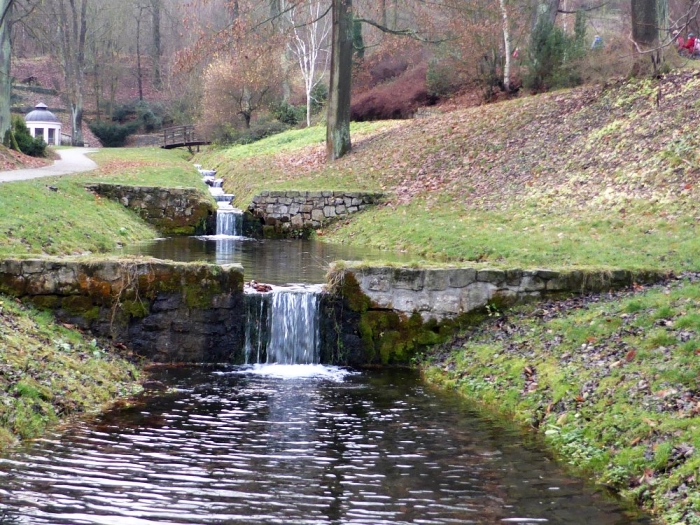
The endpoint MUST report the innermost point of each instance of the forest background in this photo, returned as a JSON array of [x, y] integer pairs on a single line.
[[243, 70]]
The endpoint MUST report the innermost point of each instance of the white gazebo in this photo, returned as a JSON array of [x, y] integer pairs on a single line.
[[42, 123]]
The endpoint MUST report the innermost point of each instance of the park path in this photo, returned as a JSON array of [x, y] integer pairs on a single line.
[[73, 160]]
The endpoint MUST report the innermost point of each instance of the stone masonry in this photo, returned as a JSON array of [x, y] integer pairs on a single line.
[[442, 293], [173, 211], [164, 311], [288, 211]]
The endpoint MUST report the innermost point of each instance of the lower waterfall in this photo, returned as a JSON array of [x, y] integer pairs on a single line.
[[283, 326]]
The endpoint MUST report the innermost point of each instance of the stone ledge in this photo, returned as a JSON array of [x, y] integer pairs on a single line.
[[441, 293]]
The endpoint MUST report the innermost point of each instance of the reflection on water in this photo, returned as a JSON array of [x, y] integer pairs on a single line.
[[228, 447], [271, 261]]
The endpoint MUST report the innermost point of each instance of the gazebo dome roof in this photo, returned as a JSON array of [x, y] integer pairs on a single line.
[[41, 113]]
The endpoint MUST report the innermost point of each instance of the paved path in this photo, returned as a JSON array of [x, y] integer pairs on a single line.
[[72, 161]]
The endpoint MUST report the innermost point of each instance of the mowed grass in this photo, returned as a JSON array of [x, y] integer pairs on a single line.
[[58, 216]]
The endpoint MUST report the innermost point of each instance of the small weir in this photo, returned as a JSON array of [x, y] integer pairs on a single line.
[[282, 326]]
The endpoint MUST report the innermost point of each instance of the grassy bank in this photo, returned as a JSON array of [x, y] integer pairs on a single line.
[[49, 372], [57, 216], [611, 383], [598, 176]]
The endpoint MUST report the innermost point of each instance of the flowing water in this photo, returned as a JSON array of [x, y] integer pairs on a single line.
[[293, 445]]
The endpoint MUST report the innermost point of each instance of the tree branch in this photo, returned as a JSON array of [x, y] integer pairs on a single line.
[[411, 33]]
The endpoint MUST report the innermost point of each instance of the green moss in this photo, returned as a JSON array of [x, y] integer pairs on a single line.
[[136, 309]]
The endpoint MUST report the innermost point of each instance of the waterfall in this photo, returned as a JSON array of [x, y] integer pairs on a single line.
[[283, 326], [229, 222]]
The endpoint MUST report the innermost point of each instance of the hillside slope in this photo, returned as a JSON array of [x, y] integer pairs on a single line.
[[597, 175]]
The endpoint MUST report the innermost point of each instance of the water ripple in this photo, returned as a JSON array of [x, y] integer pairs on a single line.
[[241, 446]]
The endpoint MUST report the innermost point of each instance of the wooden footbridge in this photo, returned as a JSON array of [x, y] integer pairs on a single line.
[[182, 137]]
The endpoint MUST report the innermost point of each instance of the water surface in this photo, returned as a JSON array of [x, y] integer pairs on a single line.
[[274, 261], [285, 445]]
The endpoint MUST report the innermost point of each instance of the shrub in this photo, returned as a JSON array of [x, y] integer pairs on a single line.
[[113, 135], [289, 114], [144, 115], [20, 139], [226, 134], [319, 96], [552, 57], [147, 117]]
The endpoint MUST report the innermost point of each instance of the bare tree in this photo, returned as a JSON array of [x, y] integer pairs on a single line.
[[72, 32], [310, 45]]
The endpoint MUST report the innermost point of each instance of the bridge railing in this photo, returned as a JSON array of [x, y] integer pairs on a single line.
[[180, 135]]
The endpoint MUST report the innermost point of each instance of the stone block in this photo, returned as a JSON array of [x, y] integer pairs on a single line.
[[437, 279], [531, 282], [340, 209], [477, 295], [329, 211], [488, 275], [353, 209], [297, 221], [446, 303], [32, 266], [461, 277], [513, 277], [317, 216], [408, 301], [375, 280], [409, 278]]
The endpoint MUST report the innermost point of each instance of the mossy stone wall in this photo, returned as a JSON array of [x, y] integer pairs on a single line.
[[164, 311], [385, 315], [173, 211]]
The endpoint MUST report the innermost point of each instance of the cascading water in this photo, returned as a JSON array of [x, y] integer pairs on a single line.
[[283, 326], [229, 222]]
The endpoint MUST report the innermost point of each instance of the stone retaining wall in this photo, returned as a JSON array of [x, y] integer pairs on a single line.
[[173, 211], [441, 293], [164, 311], [385, 315], [289, 211]]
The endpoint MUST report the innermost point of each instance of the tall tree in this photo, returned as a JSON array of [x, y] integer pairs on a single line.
[[645, 30], [5, 60], [338, 118], [72, 31], [157, 50]]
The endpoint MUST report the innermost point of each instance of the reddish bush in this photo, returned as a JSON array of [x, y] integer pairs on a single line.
[[396, 99]]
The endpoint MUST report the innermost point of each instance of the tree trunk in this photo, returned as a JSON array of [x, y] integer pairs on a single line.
[[506, 45], [546, 10], [645, 29], [139, 70], [5, 60], [157, 44], [338, 117]]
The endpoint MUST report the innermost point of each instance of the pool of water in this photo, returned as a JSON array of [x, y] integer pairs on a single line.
[[294, 445], [280, 261]]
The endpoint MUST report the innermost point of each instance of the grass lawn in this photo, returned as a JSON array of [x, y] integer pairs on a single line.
[[57, 216]]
